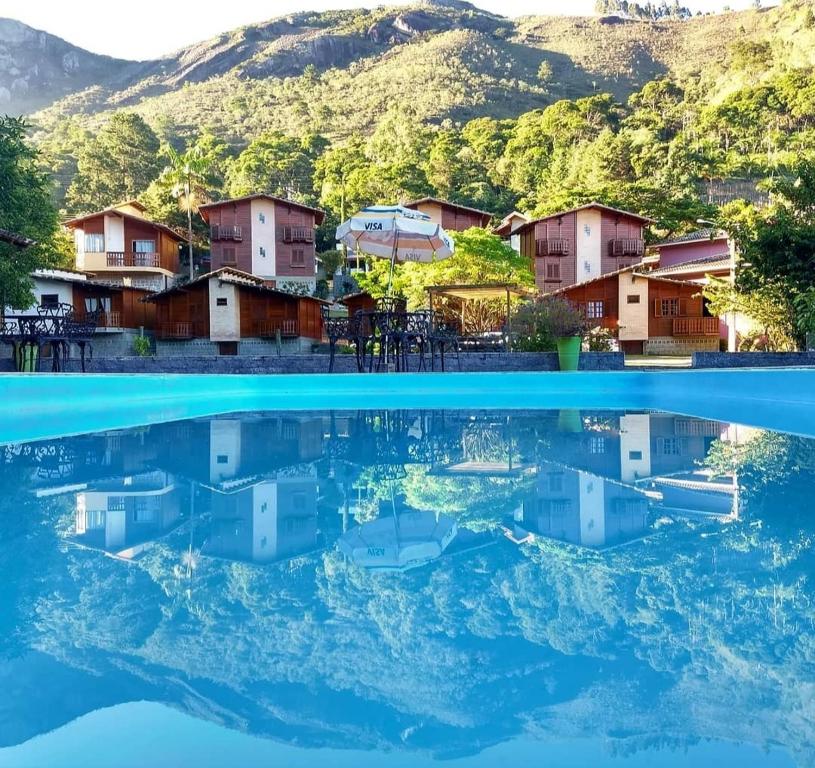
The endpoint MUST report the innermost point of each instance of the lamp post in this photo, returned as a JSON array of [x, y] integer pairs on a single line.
[[733, 257]]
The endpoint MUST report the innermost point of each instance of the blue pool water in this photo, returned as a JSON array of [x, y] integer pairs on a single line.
[[571, 587]]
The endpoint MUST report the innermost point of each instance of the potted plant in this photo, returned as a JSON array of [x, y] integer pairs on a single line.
[[566, 324]]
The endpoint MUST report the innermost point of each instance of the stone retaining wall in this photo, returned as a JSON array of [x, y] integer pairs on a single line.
[[470, 361], [751, 359]]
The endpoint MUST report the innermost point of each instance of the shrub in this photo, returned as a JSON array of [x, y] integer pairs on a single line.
[[600, 339], [538, 324], [142, 346]]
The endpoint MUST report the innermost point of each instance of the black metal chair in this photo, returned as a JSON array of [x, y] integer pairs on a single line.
[[412, 330], [80, 331], [444, 334]]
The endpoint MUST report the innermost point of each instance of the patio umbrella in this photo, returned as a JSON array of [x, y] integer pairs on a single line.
[[396, 233], [398, 543]]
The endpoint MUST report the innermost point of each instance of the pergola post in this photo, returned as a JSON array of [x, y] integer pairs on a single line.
[[508, 340]]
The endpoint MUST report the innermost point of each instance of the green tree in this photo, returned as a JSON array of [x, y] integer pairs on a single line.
[[479, 257], [117, 165], [190, 178], [25, 209], [278, 165]]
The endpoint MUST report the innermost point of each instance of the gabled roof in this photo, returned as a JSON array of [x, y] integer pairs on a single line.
[[319, 214], [587, 206], [82, 278], [505, 228], [710, 263], [236, 277], [7, 236], [698, 235], [115, 210], [615, 273], [448, 204]]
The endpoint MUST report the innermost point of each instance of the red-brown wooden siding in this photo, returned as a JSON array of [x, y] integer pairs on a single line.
[[614, 226], [605, 290], [290, 216], [691, 305], [232, 214], [455, 220], [133, 313], [189, 306]]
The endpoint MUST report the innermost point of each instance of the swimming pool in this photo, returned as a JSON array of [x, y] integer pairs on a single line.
[[563, 570]]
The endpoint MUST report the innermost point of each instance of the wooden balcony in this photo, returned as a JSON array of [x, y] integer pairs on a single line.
[[297, 234], [695, 326], [178, 331], [268, 329], [108, 320], [223, 232], [552, 246], [131, 259], [627, 246]]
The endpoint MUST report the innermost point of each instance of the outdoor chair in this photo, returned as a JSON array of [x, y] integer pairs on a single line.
[[413, 330], [355, 330], [80, 332], [444, 335]]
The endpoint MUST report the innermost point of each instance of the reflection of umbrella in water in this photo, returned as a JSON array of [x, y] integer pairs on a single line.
[[400, 542]]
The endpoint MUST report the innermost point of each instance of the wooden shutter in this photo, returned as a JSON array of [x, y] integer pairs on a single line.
[[657, 307], [683, 307]]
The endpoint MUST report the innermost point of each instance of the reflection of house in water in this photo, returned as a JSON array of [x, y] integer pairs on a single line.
[[265, 522], [581, 508], [223, 452], [124, 516]]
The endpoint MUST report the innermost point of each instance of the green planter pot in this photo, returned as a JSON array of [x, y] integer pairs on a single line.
[[568, 352], [26, 358]]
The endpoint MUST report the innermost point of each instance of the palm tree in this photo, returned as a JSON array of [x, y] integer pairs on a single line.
[[190, 177]]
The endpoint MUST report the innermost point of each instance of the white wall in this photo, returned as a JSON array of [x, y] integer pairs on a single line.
[[635, 438], [114, 233], [633, 318], [263, 235], [589, 244], [224, 321], [264, 522], [592, 510], [225, 443], [79, 247], [43, 285]]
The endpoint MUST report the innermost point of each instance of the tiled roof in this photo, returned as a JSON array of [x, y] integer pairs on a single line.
[[594, 204], [698, 235], [20, 241], [319, 214], [719, 261]]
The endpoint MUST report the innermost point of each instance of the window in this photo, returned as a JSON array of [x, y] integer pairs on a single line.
[[669, 307], [298, 257], [262, 251], [669, 446], [144, 246], [553, 270], [597, 444], [635, 455], [97, 304], [229, 256], [262, 218], [633, 298], [595, 310], [220, 301], [49, 300], [228, 348], [116, 503], [94, 243], [222, 458]]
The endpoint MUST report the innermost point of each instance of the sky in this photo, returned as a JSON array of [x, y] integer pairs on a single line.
[[158, 27]]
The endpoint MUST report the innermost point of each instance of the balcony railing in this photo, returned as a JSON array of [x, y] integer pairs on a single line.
[[177, 330], [267, 329], [223, 232], [627, 246], [552, 246], [131, 259], [104, 320], [298, 235], [695, 326]]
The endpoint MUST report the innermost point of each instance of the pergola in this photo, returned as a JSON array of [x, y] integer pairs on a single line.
[[481, 292]]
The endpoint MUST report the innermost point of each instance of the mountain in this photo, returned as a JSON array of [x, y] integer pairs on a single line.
[[336, 72], [37, 68]]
